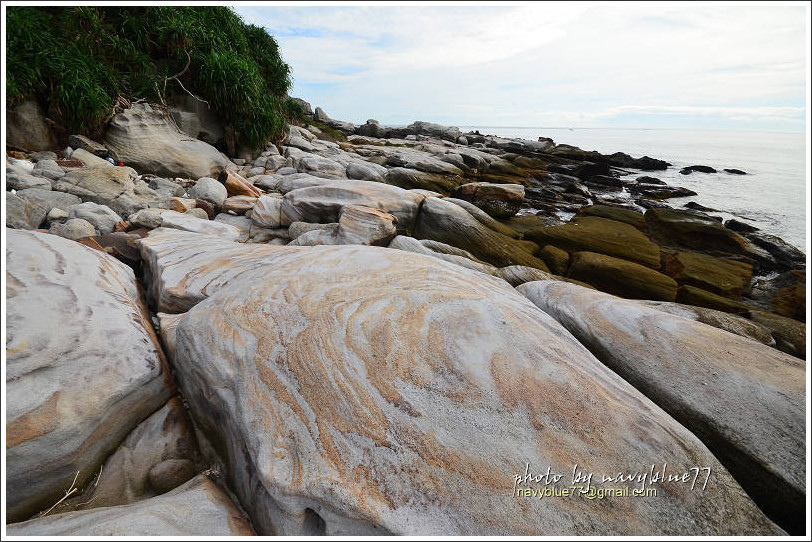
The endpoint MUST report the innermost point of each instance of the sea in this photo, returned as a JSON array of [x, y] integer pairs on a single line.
[[772, 196]]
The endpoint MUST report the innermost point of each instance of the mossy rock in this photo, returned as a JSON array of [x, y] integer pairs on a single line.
[[412, 178], [727, 278], [789, 334], [595, 234], [689, 229], [619, 214], [691, 295], [448, 223], [621, 277], [556, 259], [524, 224], [527, 162]]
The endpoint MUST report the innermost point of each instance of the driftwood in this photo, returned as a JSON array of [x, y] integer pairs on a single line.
[[237, 186]]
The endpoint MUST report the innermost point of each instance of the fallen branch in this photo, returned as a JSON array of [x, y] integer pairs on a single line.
[[70, 491], [177, 75]]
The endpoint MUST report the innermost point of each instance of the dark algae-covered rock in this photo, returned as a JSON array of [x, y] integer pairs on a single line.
[[621, 277]]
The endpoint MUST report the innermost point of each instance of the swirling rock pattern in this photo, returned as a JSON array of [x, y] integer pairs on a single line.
[[367, 390], [745, 400], [83, 365], [197, 508]]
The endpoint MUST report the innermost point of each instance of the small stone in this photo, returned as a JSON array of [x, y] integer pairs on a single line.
[[75, 228]]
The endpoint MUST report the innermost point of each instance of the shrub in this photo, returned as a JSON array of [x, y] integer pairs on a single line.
[[77, 61]]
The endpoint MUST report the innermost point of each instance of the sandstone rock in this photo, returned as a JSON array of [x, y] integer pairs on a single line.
[[449, 133], [373, 416], [366, 171], [728, 278], [164, 187], [77, 141], [357, 225], [410, 244], [143, 139], [746, 401], [519, 274], [197, 212], [100, 216], [23, 214], [267, 212], [412, 178], [56, 215], [448, 223], [619, 214], [621, 277], [498, 200], [198, 508], [692, 230], [595, 234], [72, 396], [26, 128], [298, 228], [238, 204], [147, 218], [89, 159], [324, 203], [789, 334], [18, 178], [48, 169], [556, 259], [372, 128], [186, 222], [209, 189], [784, 294], [484, 218], [73, 229], [236, 185], [49, 199], [718, 319], [691, 295], [112, 186], [785, 254], [320, 167]]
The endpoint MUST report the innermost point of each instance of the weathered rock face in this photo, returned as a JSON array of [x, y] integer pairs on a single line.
[[18, 178], [112, 186], [198, 508], [23, 214], [410, 244], [596, 234], [619, 214], [72, 396], [498, 200], [187, 222], [26, 128], [728, 278], [412, 178], [446, 222], [209, 189], [142, 138], [621, 277], [357, 225], [336, 411], [74, 229], [692, 230], [745, 400], [324, 203], [102, 217], [784, 294], [48, 199]]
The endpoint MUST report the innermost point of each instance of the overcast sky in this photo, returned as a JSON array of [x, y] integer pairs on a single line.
[[632, 65]]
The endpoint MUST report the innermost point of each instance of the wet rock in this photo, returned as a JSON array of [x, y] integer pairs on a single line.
[[596, 234], [787, 256], [621, 277], [728, 278], [645, 179], [657, 191], [789, 334], [618, 214], [739, 226], [784, 294], [557, 260], [73, 397], [693, 230], [697, 207], [734, 171], [702, 169], [412, 178], [746, 401]]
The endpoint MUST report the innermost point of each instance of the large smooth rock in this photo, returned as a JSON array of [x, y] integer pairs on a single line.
[[357, 225], [498, 200], [410, 244], [484, 218], [73, 229], [409, 405], [596, 234], [619, 214], [18, 178], [102, 217], [26, 128], [323, 203], [198, 508], [728, 278], [412, 178], [449, 223], [621, 277], [48, 199], [693, 230], [745, 400], [187, 222], [23, 214], [142, 138], [48, 169], [115, 187], [71, 395], [209, 189], [320, 167]]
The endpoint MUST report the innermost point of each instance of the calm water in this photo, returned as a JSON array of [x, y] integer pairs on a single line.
[[772, 197]]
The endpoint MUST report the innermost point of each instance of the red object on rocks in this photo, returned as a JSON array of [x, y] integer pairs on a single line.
[[121, 164]]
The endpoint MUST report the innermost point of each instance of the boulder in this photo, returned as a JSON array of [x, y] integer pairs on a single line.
[[48, 169], [482, 217], [621, 277], [323, 203], [190, 223], [71, 396], [367, 171], [659, 192], [198, 508], [73, 229], [49, 199], [372, 128], [18, 178], [498, 200], [449, 133], [238, 204], [78, 141], [357, 225], [692, 230], [787, 256], [557, 260], [112, 186], [412, 178], [461, 258], [596, 234], [789, 334], [728, 278], [26, 128], [519, 274], [147, 218], [618, 214], [784, 294], [734, 171], [306, 107], [100, 216], [702, 169], [22, 213], [739, 226], [42, 155], [321, 167], [340, 407], [209, 189], [164, 187], [745, 400], [691, 295], [446, 222], [718, 319], [142, 138]]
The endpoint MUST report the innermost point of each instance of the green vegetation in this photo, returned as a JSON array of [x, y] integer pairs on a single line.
[[77, 61]]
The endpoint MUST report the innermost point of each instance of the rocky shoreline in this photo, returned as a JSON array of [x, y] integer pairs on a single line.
[[375, 330]]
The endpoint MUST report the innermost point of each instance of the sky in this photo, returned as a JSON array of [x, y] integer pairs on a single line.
[[533, 64]]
